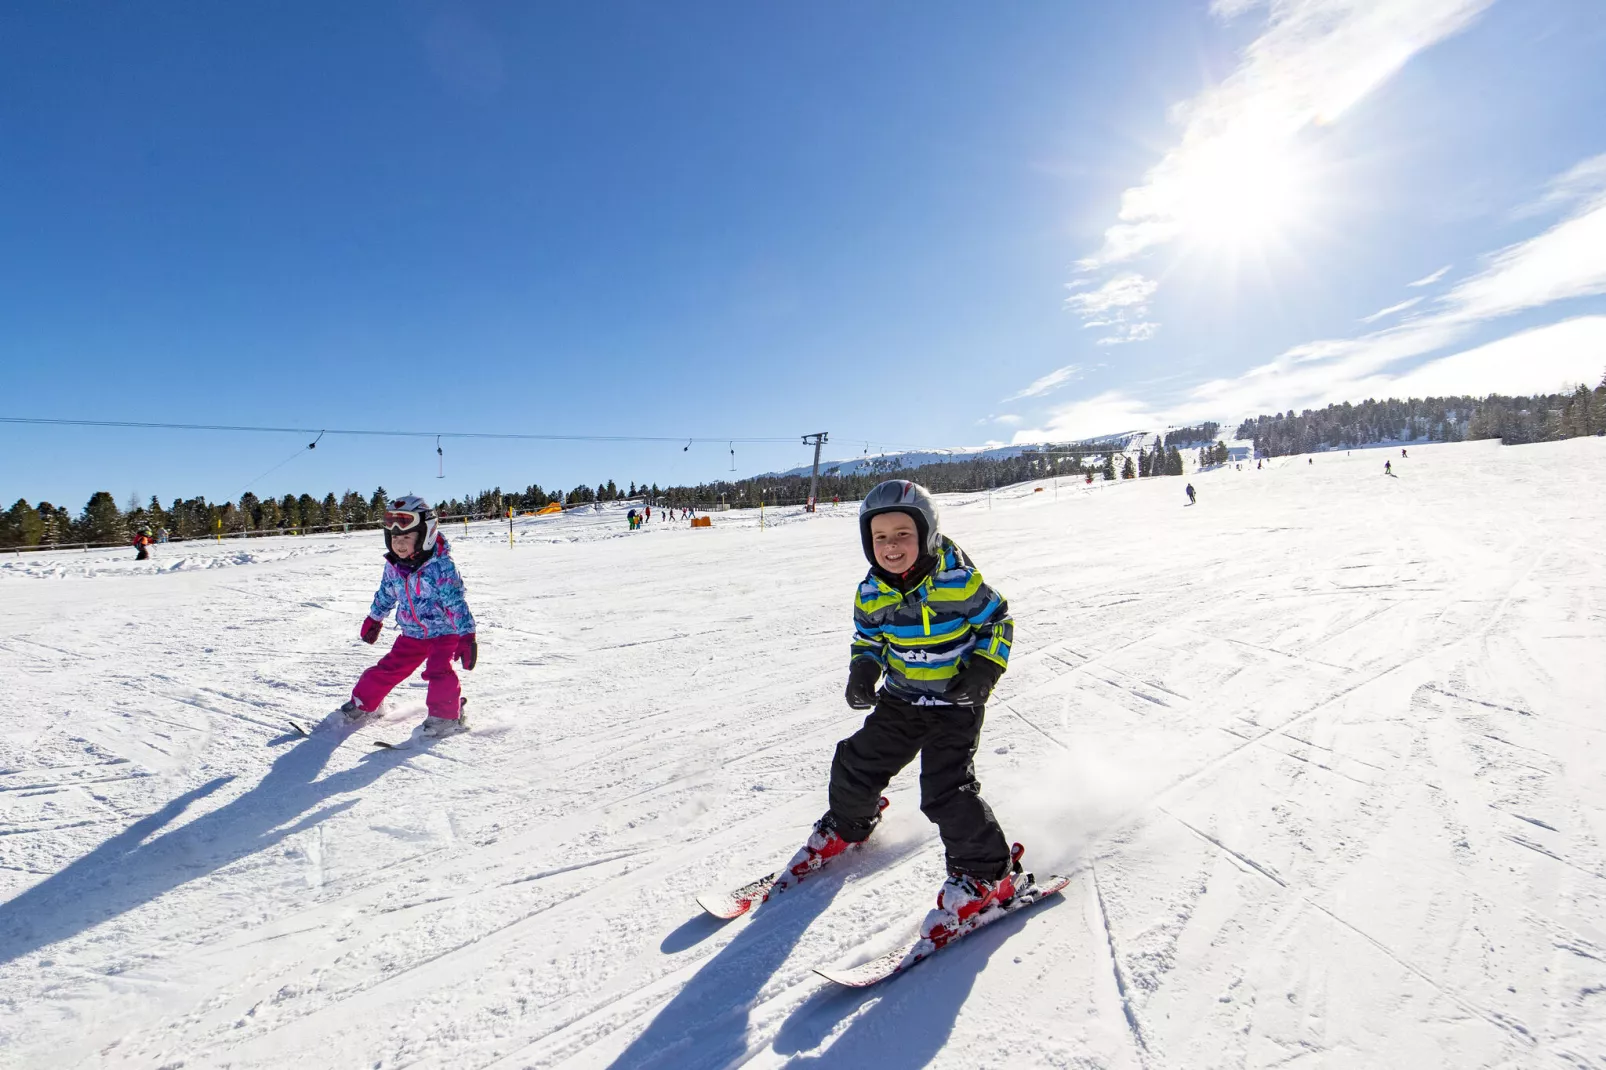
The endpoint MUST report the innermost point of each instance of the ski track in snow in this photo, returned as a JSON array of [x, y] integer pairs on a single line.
[[1325, 757]]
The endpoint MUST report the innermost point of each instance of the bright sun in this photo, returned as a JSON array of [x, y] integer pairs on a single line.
[[1240, 193]]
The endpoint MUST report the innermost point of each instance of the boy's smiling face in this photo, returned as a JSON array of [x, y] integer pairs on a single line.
[[895, 540]]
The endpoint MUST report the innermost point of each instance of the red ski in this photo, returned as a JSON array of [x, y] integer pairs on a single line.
[[734, 904], [900, 959]]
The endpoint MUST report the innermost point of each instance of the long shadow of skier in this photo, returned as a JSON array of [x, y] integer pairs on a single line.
[[127, 872], [705, 1025], [911, 1016]]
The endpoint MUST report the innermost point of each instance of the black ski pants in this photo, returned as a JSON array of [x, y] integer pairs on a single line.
[[946, 738]]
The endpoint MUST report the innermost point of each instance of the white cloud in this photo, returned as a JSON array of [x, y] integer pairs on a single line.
[[1314, 61], [1007, 418], [1566, 261], [1585, 179], [1129, 290], [1548, 358], [1130, 332], [1056, 378], [1380, 313], [1108, 413], [1122, 302], [1552, 357], [1429, 280]]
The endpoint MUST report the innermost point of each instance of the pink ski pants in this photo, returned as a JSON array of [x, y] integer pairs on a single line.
[[404, 657]]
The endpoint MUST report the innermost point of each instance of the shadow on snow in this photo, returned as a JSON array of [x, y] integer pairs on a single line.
[[705, 1025], [910, 1016], [130, 869]]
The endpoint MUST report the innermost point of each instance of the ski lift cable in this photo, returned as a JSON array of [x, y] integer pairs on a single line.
[[375, 432], [303, 449]]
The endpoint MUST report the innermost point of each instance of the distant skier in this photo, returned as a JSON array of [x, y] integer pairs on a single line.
[[1388, 469], [421, 581], [1192, 497], [142, 539], [925, 617], [1402, 451]]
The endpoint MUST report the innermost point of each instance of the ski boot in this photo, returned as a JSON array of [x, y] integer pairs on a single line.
[[351, 712], [823, 844], [441, 727], [964, 896]]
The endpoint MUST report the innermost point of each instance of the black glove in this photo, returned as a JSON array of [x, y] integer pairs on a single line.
[[863, 674], [975, 682], [370, 629], [468, 650]]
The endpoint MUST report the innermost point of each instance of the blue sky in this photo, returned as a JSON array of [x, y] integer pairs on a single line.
[[907, 224]]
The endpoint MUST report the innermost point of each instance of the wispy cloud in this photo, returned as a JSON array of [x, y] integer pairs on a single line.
[[1240, 156], [1130, 332], [1566, 261], [1315, 60], [1382, 312], [1122, 303], [1056, 378], [1583, 180], [1429, 280], [1129, 290]]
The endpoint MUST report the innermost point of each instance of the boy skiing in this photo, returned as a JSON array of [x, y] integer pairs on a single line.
[[422, 583], [925, 618]]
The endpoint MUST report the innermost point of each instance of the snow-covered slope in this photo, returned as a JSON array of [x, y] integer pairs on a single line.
[[1326, 754], [883, 461]]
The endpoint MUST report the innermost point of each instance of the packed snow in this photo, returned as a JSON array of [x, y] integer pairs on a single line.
[[1324, 755]]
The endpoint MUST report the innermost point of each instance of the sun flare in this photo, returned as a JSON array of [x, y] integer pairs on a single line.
[[1240, 193]]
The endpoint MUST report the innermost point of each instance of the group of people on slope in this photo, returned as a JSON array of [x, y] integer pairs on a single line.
[[931, 641]]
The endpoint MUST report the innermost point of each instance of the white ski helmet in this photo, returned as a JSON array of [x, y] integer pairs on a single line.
[[900, 496], [411, 513]]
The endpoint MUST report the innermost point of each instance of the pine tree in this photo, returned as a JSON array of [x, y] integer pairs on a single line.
[[1128, 471], [101, 521], [1108, 471], [21, 525], [251, 510], [377, 503]]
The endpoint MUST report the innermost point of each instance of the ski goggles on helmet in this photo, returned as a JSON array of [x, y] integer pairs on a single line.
[[401, 520]]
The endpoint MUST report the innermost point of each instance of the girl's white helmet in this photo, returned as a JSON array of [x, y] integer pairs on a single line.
[[411, 513]]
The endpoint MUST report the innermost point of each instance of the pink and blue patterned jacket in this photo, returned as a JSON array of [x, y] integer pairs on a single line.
[[428, 599]]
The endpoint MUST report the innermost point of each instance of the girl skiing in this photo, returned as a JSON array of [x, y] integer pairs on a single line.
[[436, 626]]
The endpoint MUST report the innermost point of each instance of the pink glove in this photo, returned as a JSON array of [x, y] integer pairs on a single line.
[[370, 629]]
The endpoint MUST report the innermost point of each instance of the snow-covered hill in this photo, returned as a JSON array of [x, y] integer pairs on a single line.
[[889, 461], [1325, 753]]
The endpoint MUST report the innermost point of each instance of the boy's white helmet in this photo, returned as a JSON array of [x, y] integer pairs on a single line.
[[900, 496], [411, 513]]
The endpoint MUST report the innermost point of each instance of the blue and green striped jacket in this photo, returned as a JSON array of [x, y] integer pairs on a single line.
[[923, 637]]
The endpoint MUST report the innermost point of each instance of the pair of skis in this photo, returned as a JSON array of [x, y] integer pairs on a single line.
[[306, 732], [739, 901]]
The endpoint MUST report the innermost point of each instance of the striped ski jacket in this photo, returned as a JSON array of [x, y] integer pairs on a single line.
[[429, 600], [921, 638]]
